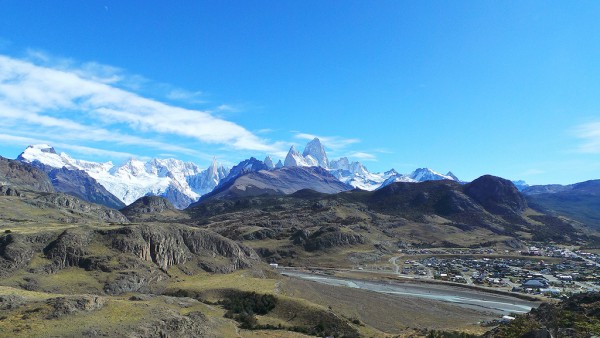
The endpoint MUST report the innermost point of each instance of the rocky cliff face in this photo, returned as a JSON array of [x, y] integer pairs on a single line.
[[173, 245], [69, 249], [140, 254], [24, 176]]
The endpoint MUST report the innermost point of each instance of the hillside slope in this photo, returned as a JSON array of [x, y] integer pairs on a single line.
[[289, 229]]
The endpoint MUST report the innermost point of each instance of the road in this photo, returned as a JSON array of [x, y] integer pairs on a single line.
[[468, 298]]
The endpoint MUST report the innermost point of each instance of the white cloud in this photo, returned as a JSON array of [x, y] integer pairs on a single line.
[[83, 104], [590, 134]]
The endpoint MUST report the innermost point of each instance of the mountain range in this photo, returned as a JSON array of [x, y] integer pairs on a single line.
[[183, 183], [81, 257], [180, 182]]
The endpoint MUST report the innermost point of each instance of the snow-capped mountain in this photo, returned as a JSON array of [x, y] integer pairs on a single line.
[[396, 178], [426, 174], [180, 182], [355, 173], [315, 150], [244, 167], [294, 159], [269, 162]]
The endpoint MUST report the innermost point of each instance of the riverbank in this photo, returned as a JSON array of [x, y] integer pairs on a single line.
[[471, 298]]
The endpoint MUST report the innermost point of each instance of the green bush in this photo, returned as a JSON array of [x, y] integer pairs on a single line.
[[242, 306]]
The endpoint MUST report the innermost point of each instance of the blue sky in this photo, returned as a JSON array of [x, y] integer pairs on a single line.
[[510, 88]]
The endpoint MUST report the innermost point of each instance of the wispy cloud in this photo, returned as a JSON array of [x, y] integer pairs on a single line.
[[363, 156], [227, 108], [332, 142], [82, 103], [589, 133], [185, 95]]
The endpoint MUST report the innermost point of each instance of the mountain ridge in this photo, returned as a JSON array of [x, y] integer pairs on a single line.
[[183, 183]]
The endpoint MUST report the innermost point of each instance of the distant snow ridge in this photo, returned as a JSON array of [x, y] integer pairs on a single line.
[[426, 174], [355, 173], [180, 182]]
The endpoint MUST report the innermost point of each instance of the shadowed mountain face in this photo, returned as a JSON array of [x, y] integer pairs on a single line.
[[24, 176], [280, 181], [79, 184], [496, 195], [32, 199], [580, 201]]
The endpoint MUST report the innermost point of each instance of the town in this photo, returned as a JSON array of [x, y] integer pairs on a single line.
[[545, 270]]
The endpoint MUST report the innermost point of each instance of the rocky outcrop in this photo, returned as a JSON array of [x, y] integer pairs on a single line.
[[74, 205], [144, 280], [148, 205], [63, 306], [496, 195], [260, 234], [24, 176], [325, 238], [9, 302], [69, 249], [175, 244], [17, 250], [9, 191], [174, 324]]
